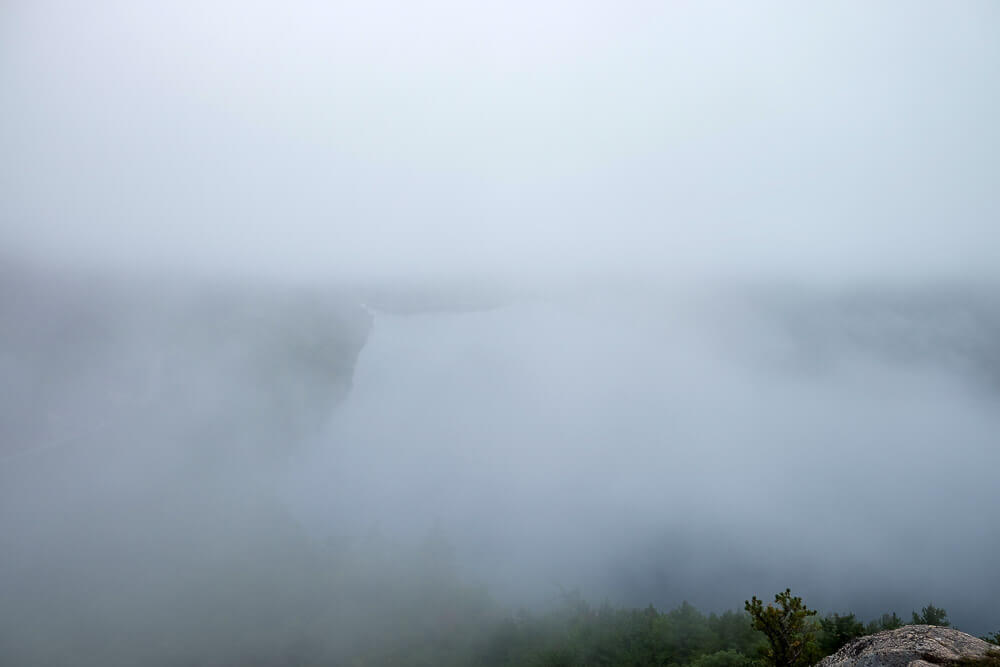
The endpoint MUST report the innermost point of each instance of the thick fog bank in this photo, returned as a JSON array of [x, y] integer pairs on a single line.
[[455, 291], [219, 472], [142, 426], [654, 448]]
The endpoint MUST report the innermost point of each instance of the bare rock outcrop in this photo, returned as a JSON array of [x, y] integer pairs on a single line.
[[910, 646]]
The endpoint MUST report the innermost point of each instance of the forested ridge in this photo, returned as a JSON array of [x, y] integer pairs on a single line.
[[423, 615]]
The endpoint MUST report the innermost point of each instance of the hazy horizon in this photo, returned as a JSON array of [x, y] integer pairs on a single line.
[[660, 301]]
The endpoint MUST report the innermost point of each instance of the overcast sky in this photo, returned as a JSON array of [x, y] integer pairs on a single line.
[[320, 138], [640, 444]]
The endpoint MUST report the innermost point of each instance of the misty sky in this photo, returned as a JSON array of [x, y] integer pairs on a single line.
[[506, 138], [594, 287]]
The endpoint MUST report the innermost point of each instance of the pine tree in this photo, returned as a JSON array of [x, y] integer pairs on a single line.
[[931, 615], [785, 623], [887, 621], [838, 630]]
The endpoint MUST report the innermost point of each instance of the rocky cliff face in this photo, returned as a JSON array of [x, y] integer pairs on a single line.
[[910, 646]]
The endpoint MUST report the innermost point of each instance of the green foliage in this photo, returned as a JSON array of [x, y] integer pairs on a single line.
[[888, 621], [579, 634], [837, 630], [993, 638], [735, 632], [557, 657], [576, 633], [726, 658], [786, 625], [931, 615]]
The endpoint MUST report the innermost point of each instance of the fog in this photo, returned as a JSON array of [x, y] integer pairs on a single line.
[[310, 311], [393, 137], [640, 449]]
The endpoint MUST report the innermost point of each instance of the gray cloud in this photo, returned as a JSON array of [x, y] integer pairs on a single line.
[[665, 301], [388, 138]]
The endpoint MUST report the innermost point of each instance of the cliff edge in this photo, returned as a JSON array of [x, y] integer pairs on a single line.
[[910, 646]]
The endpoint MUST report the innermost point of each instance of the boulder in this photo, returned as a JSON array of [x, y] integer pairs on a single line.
[[910, 646]]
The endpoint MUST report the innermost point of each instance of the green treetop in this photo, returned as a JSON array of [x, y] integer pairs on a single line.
[[785, 624]]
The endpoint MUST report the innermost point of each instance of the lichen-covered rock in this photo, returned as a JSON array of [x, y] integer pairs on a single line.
[[910, 646]]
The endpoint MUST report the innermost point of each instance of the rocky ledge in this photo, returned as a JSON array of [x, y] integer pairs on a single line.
[[910, 646]]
